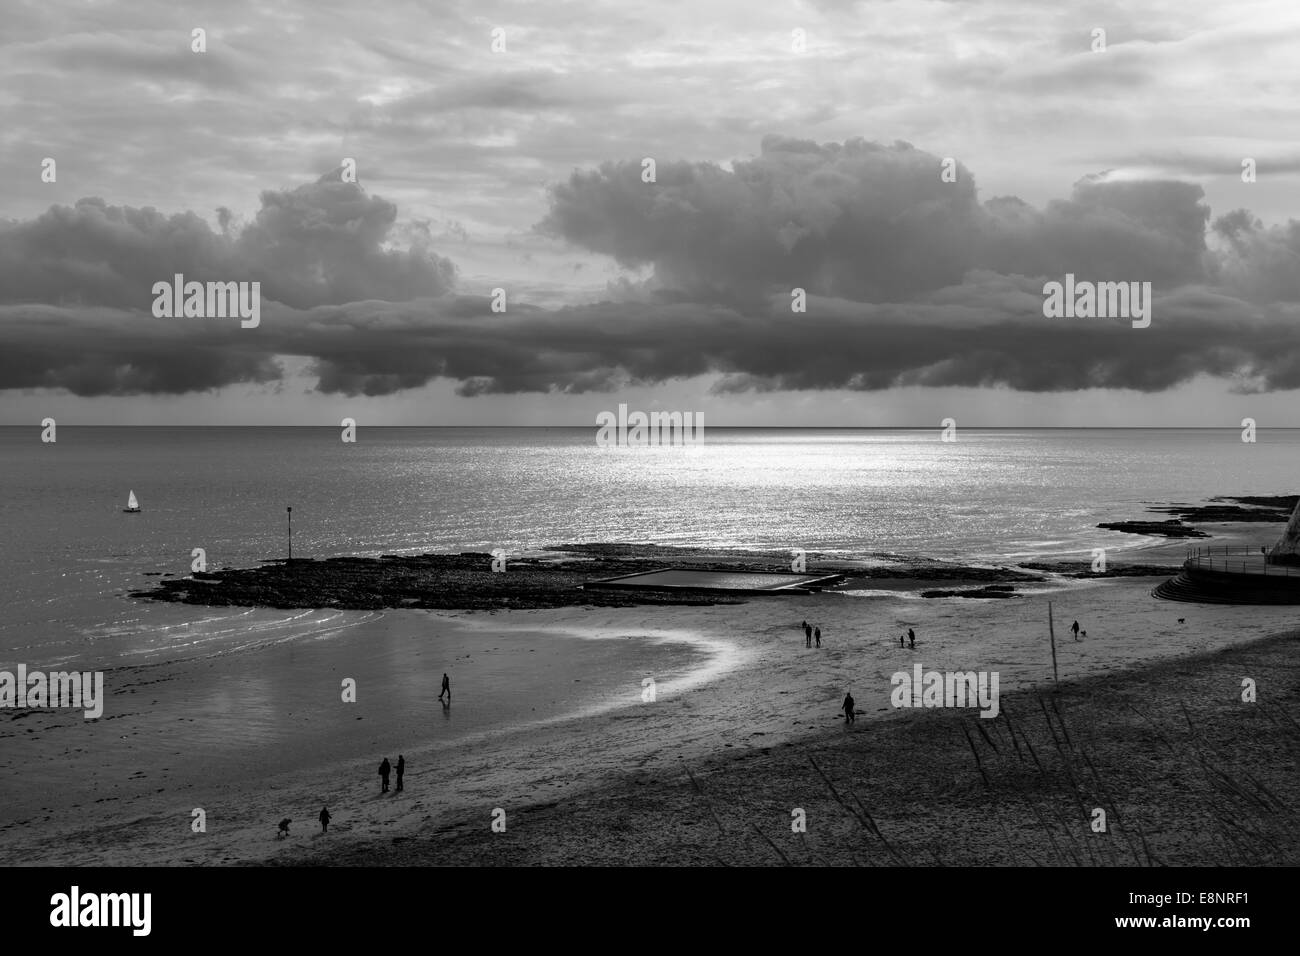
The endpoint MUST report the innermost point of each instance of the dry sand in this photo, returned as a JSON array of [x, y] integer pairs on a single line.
[[743, 705]]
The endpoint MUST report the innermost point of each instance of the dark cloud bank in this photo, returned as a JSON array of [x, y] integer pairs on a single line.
[[910, 281]]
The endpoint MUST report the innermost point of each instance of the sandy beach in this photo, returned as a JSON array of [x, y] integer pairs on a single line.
[[736, 694]]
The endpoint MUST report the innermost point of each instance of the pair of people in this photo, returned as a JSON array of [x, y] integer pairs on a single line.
[[386, 768], [810, 633], [911, 637]]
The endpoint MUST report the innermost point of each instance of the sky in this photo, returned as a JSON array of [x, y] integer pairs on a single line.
[[920, 170]]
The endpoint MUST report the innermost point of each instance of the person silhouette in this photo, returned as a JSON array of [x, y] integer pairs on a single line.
[[384, 769], [900, 640], [401, 769], [1075, 627], [446, 688], [807, 635], [817, 635], [324, 820], [847, 707], [911, 635]]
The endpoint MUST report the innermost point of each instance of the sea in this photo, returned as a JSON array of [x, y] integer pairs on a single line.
[[69, 555]]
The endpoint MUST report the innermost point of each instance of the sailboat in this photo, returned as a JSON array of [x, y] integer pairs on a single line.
[[132, 506]]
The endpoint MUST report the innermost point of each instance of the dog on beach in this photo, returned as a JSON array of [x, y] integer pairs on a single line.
[[284, 829], [1182, 620]]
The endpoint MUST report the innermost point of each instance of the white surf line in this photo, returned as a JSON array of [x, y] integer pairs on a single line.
[[260, 636], [205, 620], [723, 655], [317, 629]]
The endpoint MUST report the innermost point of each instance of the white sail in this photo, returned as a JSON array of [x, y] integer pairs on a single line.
[[131, 502]]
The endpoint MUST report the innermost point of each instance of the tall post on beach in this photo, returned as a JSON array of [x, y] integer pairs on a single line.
[[290, 510], [1051, 629]]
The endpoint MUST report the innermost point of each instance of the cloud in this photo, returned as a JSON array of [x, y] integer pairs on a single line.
[[868, 222], [857, 219], [321, 243], [324, 243], [912, 281], [1258, 263]]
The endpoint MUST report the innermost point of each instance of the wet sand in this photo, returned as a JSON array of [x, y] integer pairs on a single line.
[[231, 732], [1160, 766], [735, 689]]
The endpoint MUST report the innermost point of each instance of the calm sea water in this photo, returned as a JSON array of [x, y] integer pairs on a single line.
[[69, 553]]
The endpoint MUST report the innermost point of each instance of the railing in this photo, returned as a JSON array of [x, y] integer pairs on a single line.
[[1232, 560]]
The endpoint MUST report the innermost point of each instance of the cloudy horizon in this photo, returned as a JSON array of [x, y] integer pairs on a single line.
[[918, 170]]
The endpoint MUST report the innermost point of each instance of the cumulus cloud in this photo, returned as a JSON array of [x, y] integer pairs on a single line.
[[321, 243], [912, 281], [324, 243], [1258, 263], [868, 222], [856, 219]]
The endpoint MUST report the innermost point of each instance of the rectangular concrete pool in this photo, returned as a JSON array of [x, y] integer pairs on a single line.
[[688, 579]]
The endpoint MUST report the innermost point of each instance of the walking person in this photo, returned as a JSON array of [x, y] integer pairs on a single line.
[[817, 635], [324, 820], [385, 769], [401, 769], [847, 707], [446, 688], [1075, 627], [807, 635]]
